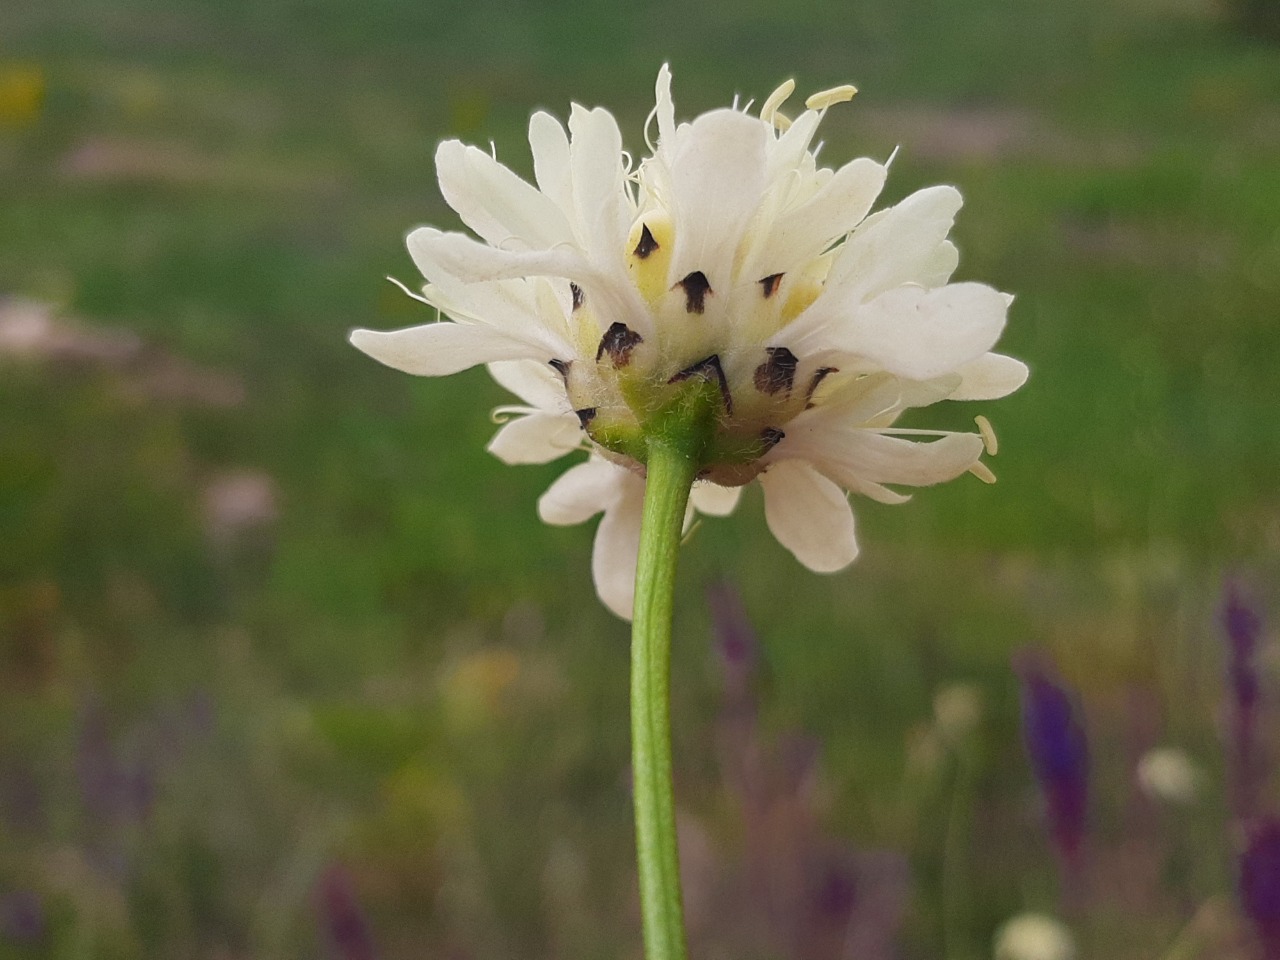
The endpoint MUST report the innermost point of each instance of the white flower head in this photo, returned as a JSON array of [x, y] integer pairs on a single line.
[[1169, 775], [1034, 936], [957, 711], [726, 258]]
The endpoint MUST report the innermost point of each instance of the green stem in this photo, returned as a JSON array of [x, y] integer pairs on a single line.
[[671, 470]]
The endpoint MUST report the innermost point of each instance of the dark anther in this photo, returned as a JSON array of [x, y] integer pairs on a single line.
[[770, 284], [586, 415], [618, 342], [708, 369], [771, 436], [696, 287], [818, 376], [647, 244], [577, 295], [778, 373], [561, 367]]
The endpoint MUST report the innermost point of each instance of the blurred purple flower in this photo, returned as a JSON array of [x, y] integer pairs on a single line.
[[735, 641], [798, 891], [22, 918], [341, 917], [111, 790], [1243, 628], [739, 654], [1059, 753], [21, 797], [1260, 884]]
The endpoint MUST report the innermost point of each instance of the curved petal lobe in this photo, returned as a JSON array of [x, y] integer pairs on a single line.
[[713, 499], [550, 147], [617, 549], [534, 383], [441, 349], [919, 334], [581, 492], [536, 438], [809, 515], [495, 203], [990, 377], [874, 457]]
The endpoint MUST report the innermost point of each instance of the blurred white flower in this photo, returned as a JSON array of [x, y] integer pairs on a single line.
[[726, 256], [957, 711], [1034, 936], [1169, 775]]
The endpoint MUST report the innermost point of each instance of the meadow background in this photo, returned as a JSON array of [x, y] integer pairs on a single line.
[[289, 667]]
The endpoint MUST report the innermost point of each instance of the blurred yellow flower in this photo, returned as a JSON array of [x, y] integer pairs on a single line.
[[477, 689], [22, 92]]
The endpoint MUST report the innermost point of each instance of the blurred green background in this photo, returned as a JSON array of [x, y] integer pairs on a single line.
[[288, 665]]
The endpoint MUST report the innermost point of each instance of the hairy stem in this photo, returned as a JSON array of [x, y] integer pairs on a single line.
[[671, 469]]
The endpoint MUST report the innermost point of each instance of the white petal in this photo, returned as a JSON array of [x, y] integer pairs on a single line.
[[916, 333], [511, 305], [581, 492], [941, 264], [536, 438], [859, 401], [877, 492], [789, 150], [469, 261], [865, 455], [717, 179], [599, 181], [550, 147], [440, 349], [617, 548], [713, 499], [897, 245], [537, 384], [804, 231], [876, 400], [809, 515], [463, 259], [665, 110], [991, 376], [604, 217], [497, 204]]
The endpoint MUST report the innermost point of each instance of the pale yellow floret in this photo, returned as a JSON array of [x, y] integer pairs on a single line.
[[983, 472], [649, 273], [826, 98], [988, 435], [769, 112], [804, 291], [584, 330]]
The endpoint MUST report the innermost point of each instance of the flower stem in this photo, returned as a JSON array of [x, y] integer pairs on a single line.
[[671, 470]]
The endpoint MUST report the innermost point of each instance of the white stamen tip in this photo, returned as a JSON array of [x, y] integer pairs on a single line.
[[983, 472], [769, 112], [827, 98], [988, 435]]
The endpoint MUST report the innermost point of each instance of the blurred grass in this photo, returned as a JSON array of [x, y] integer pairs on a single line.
[[413, 674]]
